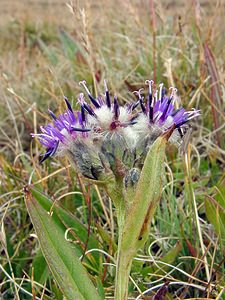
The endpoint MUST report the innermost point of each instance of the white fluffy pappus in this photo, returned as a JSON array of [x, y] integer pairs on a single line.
[[106, 126]]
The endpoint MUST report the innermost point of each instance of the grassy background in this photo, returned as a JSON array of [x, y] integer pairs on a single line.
[[47, 47]]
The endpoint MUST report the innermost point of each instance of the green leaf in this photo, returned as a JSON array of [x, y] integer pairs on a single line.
[[100, 288], [135, 229], [216, 215], [41, 271], [65, 266], [48, 51], [69, 45], [65, 220], [215, 209], [147, 195]]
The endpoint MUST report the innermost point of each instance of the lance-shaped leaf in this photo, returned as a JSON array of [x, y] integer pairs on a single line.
[[215, 212], [65, 266], [147, 195], [65, 219], [140, 213], [215, 209]]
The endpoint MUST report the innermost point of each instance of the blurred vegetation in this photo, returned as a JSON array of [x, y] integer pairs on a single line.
[[46, 49]]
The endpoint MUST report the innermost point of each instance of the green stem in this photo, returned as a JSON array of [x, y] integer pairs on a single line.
[[134, 228], [123, 265], [124, 260], [123, 268]]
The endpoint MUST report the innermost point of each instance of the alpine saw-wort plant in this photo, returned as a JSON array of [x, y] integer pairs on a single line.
[[122, 149]]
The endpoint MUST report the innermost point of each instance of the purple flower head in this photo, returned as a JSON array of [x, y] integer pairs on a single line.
[[58, 136], [159, 113], [105, 115], [111, 125], [104, 130]]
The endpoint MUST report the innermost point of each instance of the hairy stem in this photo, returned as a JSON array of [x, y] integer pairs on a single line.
[[123, 267], [134, 222]]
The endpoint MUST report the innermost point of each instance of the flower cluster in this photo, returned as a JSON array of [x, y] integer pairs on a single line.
[[104, 130]]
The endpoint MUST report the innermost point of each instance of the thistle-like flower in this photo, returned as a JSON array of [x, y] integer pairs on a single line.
[[159, 115], [104, 131], [107, 118], [59, 136], [111, 125]]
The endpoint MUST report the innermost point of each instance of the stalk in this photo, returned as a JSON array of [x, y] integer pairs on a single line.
[[123, 267], [134, 221]]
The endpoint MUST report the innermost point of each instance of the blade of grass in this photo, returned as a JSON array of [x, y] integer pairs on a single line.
[[215, 89]]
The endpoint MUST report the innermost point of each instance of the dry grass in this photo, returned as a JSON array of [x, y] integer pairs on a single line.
[[47, 47]]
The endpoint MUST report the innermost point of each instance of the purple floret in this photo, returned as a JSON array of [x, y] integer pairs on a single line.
[[103, 115], [66, 127], [163, 110]]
